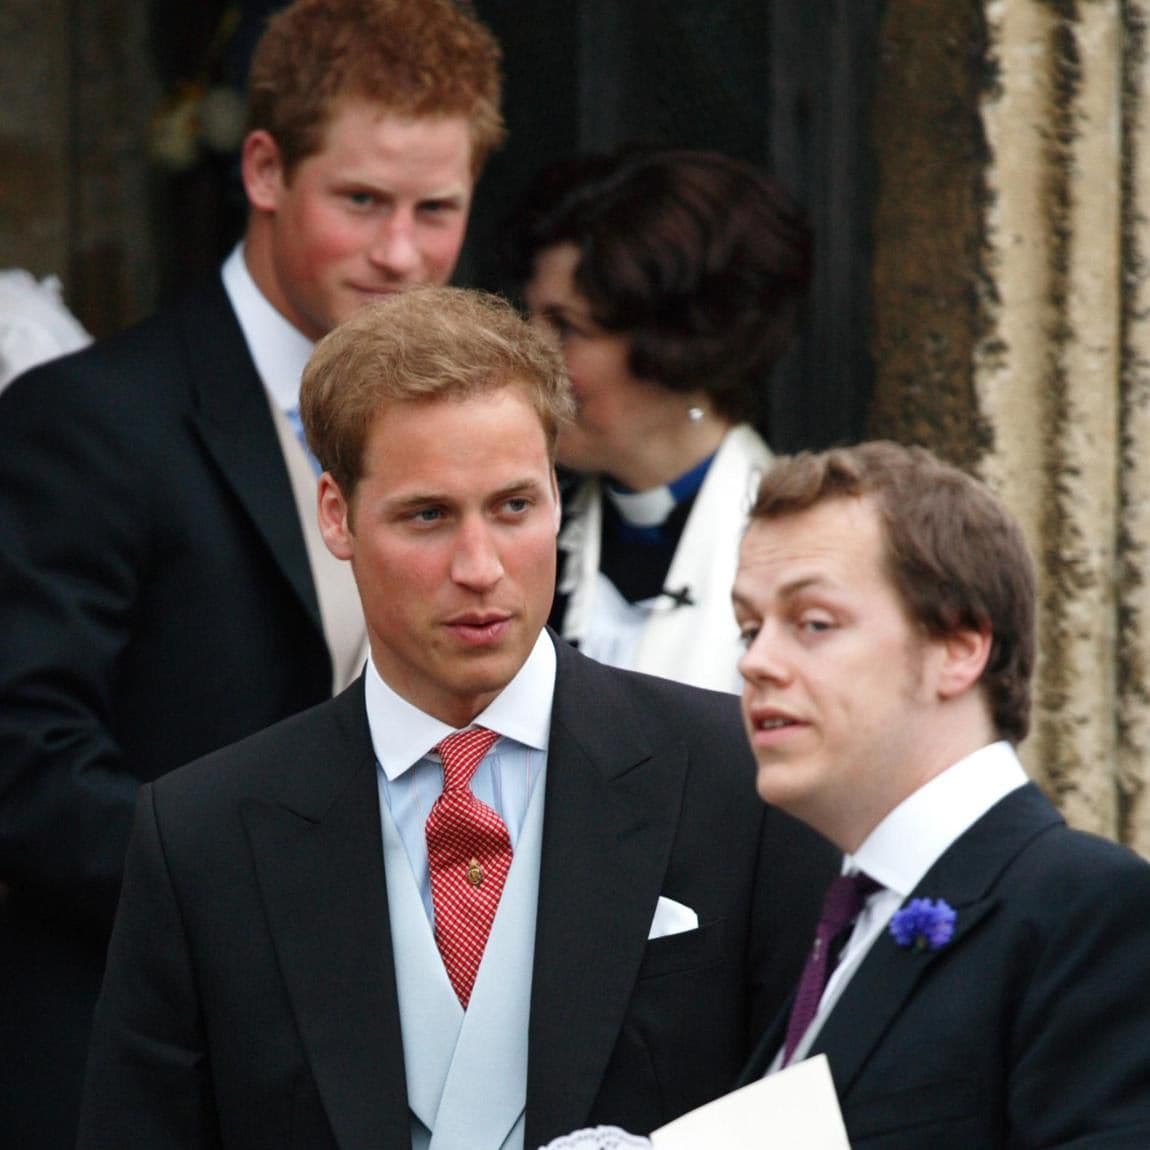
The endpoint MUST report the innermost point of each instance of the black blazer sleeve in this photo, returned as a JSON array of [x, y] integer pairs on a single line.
[[146, 614], [149, 1081], [74, 547]]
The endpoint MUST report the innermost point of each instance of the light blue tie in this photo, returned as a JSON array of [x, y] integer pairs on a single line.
[[292, 414]]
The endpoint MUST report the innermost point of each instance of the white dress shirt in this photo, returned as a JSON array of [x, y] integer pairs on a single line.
[[905, 845], [280, 351], [411, 774]]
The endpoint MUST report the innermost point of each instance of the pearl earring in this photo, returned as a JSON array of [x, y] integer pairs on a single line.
[[694, 413]]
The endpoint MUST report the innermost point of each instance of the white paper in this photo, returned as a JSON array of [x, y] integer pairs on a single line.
[[796, 1108]]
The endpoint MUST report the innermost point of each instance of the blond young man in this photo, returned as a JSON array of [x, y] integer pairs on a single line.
[[280, 972]]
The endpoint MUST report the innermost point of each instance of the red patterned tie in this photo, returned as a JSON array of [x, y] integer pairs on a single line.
[[469, 855]]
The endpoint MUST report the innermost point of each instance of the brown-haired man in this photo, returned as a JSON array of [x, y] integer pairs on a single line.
[[275, 976], [990, 993], [165, 589]]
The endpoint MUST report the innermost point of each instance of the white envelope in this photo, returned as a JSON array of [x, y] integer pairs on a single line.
[[671, 917], [796, 1108]]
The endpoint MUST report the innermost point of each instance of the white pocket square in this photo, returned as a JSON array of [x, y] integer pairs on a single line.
[[671, 917]]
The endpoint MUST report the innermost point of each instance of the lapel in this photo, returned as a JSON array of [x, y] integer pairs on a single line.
[[612, 806], [233, 419], [966, 876], [767, 1047], [319, 864]]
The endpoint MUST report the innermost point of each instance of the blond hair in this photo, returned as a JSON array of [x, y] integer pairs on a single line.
[[424, 345]]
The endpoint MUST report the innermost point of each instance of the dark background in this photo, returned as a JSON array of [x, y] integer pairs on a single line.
[[785, 84]]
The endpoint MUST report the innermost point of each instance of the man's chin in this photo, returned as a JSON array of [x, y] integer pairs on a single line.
[[488, 670], [778, 786]]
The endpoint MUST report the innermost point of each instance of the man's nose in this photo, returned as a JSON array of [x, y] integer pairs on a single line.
[[394, 246], [476, 562], [764, 659]]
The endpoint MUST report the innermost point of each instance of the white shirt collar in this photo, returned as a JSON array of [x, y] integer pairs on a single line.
[[649, 508], [401, 734], [279, 349], [908, 842]]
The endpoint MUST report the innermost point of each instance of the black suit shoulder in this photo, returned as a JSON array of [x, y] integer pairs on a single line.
[[996, 1038], [661, 708], [145, 619], [145, 366], [709, 723], [302, 761], [1074, 860]]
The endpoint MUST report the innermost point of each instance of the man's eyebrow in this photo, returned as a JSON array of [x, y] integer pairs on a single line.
[[448, 195], [416, 499], [787, 591], [530, 483], [423, 498], [803, 583]]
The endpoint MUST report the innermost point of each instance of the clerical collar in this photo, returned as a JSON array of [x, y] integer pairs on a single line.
[[651, 508]]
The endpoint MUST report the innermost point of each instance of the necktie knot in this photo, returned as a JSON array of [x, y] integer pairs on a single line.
[[461, 753], [844, 900]]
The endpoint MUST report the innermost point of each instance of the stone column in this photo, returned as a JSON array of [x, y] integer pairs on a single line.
[[1133, 667], [1011, 335]]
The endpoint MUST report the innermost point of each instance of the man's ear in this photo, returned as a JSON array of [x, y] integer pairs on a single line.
[[964, 655], [334, 513], [261, 165]]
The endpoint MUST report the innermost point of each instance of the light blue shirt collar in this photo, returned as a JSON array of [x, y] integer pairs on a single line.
[[401, 734]]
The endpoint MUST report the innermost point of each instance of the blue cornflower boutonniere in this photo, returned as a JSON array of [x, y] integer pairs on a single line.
[[924, 924]]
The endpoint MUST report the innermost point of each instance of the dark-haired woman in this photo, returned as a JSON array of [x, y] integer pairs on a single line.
[[673, 281]]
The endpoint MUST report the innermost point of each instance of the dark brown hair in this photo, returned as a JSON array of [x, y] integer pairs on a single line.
[[413, 57], [699, 259], [421, 346], [956, 555]]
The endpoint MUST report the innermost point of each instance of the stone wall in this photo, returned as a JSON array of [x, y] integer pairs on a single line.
[[1013, 335], [76, 95]]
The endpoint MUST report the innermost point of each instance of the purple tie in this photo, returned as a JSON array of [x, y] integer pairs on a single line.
[[844, 899]]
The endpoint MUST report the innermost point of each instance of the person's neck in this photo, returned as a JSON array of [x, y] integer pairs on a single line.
[[257, 256], [958, 730], [661, 460]]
